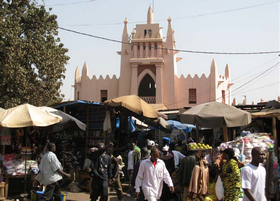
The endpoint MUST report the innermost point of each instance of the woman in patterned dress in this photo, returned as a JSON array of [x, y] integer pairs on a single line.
[[231, 176]]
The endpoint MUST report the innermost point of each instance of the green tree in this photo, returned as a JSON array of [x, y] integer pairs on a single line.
[[32, 59]]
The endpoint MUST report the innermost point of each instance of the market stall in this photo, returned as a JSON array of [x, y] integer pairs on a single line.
[[125, 107], [214, 115], [243, 146], [24, 119]]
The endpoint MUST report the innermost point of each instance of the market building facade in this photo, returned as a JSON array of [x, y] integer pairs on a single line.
[[149, 69]]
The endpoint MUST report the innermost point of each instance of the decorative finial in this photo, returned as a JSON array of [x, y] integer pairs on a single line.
[[125, 21], [169, 19]]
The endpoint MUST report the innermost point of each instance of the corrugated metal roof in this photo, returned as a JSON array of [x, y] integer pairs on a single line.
[[78, 102]]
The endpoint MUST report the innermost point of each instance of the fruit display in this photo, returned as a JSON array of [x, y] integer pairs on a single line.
[[199, 146]]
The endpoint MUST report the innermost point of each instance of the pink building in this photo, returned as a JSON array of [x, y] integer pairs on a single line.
[[149, 70]]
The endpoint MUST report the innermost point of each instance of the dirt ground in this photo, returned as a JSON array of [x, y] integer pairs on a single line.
[[82, 196]]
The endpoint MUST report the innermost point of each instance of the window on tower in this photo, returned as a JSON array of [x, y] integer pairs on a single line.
[[145, 32], [104, 95], [150, 32], [192, 96]]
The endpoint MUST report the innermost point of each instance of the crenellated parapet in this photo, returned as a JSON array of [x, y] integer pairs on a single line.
[[192, 90], [92, 89]]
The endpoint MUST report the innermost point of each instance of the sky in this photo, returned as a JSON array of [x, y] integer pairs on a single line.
[[223, 26]]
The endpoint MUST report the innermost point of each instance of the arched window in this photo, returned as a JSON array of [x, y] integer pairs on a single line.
[[147, 87]]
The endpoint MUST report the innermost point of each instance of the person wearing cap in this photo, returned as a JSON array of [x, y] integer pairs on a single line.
[[168, 159], [151, 144], [151, 175], [198, 188]]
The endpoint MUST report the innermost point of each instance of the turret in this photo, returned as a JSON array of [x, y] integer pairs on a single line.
[[125, 72], [213, 69], [227, 72], [170, 42], [125, 37], [85, 70], [77, 74], [213, 80], [170, 69], [150, 17], [133, 34]]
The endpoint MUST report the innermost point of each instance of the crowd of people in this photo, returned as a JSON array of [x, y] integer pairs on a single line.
[[164, 173]]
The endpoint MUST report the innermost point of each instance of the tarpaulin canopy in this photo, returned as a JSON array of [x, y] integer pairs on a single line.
[[180, 126], [27, 115], [214, 115], [68, 121], [135, 105]]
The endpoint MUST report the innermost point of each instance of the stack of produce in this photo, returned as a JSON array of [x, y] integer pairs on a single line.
[[199, 146]]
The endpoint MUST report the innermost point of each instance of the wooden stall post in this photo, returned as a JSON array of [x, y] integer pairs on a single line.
[[234, 134], [275, 135], [197, 134], [225, 131]]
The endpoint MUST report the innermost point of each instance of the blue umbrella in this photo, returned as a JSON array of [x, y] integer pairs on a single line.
[[187, 128]]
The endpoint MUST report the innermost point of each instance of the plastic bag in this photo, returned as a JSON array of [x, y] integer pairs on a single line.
[[219, 188]]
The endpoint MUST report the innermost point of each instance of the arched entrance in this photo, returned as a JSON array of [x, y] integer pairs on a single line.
[[147, 89]]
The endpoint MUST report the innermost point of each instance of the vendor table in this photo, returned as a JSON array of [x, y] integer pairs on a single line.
[[7, 180]]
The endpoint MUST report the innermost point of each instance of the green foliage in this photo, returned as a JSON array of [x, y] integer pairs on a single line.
[[32, 59]]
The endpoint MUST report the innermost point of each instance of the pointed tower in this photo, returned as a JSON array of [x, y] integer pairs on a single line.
[[213, 81], [77, 75], [170, 41], [84, 83], [150, 18], [170, 69], [125, 72], [77, 83], [85, 70], [228, 77], [227, 72]]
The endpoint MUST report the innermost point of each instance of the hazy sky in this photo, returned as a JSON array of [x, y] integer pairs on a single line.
[[200, 25]]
